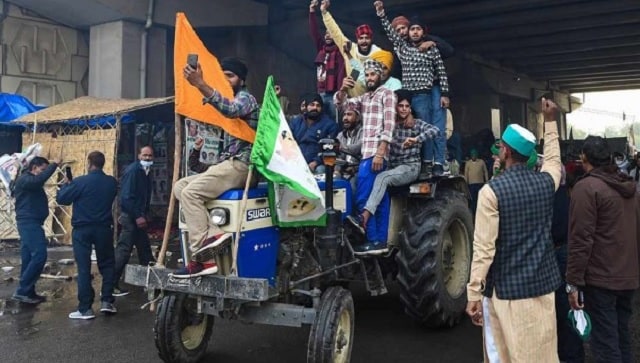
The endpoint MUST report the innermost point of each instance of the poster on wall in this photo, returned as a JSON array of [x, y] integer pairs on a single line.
[[212, 137], [160, 177]]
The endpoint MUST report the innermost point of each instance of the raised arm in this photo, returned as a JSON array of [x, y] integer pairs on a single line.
[[32, 182], [332, 27], [317, 38], [393, 36], [242, 105], [552, 163]]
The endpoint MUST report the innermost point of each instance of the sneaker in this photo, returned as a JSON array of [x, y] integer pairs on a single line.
[[211, 245], [107, 308], [118, 292], [87, 315], [438, 170], [26, 299], [41, 298], [371, 248], [425, 170], [357, 223], [194, 269]]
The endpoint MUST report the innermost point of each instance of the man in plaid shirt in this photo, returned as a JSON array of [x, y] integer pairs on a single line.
[[378, 109], [408, 136], [420, 72], [230, 172]]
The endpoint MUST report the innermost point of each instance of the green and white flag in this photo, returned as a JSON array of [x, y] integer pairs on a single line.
[[294, 193]]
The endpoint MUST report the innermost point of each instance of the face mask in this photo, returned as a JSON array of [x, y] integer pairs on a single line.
[[146, 164], [313, 115]]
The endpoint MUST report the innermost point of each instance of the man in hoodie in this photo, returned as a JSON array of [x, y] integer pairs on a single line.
[[32, 208], [135, 198], [330, 68], [603, 251], [364, 50], [311, 127]]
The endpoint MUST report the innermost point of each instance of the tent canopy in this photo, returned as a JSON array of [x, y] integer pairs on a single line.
[[98, 110]]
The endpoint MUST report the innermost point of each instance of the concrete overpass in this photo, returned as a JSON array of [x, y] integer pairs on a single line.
[[508, 51]]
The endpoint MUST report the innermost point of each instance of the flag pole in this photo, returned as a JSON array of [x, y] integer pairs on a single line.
[[177, 160], [241, 214]]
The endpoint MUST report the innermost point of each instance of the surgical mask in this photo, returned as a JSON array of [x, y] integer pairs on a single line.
[[146, 164]]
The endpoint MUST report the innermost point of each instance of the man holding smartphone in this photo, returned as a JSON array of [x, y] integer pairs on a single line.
[[92, 196], [602, 256], [230, 171]]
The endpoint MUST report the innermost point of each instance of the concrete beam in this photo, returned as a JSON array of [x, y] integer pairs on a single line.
[[600, 88], [593, 49], [83, 14]]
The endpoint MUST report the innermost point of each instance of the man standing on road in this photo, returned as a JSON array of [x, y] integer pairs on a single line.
[[514, 264], [476, 174], [603, 251], [32, 209], [378, 110], [135, 196], [92, 196]]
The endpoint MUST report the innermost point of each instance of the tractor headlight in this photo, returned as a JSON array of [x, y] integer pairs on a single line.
[[219, 216]]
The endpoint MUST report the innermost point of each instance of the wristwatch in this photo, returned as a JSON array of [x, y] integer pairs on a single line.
[[571, 288]]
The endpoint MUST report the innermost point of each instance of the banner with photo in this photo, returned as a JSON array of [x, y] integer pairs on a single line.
[[213, 142]]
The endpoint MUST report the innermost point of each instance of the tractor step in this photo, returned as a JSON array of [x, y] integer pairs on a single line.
[[373, 278]]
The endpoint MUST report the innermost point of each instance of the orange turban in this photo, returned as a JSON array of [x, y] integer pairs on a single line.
[[383, 57]]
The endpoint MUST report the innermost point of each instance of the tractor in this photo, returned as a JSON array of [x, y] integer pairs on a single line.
[[301, 276]]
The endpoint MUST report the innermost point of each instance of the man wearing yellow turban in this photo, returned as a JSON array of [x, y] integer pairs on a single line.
[[386, 59]]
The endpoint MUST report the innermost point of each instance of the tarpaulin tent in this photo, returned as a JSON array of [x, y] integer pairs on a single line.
[[11, 107]]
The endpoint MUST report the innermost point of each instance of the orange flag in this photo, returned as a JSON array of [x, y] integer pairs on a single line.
[[188, 98]]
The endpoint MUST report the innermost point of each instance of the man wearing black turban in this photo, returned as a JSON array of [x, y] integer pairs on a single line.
[[231, 170], [310, 127]]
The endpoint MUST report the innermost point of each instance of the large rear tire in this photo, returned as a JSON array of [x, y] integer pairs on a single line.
[[181, 335], [331, 335], [434, 259]]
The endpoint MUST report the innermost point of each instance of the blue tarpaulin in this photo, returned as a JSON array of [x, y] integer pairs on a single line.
[[13, 106]]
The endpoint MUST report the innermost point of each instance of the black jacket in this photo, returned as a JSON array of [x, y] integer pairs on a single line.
[[92, 196], [135, 194], [32, 204]]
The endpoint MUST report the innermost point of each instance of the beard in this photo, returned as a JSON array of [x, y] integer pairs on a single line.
[[372, 86], [313, 115], [364, 49]]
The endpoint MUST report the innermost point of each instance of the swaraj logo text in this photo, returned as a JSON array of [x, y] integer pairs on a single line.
[[258, 213]]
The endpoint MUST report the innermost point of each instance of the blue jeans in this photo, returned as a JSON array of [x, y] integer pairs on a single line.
[[378, 225], [474, 190], [84, 237], [329, 108], [427, 108], [33, 252]]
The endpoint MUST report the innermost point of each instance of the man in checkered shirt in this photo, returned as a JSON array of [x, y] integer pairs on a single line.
[[408, 136], [378, 109], [420, 71]]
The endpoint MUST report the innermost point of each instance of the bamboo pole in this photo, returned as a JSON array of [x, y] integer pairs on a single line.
[[177, 160], [241, 214]]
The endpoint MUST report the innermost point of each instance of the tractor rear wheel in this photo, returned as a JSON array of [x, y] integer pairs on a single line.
[[181, 334], [434, 259]]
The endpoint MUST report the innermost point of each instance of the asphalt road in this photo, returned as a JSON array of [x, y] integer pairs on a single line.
[[45, 334]]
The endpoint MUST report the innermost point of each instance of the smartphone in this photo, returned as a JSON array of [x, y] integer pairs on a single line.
[[192, 60], [67, 172], [580, 297], [355, 74]]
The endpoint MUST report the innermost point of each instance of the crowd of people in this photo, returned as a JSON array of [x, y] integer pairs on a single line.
[[392, 132]]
